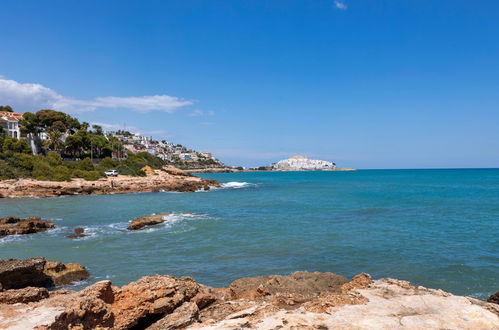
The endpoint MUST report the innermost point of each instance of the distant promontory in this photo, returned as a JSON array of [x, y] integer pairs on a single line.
[[302, 163]]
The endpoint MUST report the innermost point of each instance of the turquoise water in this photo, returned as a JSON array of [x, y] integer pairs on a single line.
[[437, 228]]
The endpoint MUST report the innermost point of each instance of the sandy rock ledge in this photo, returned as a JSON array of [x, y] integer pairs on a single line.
[[165, 179]]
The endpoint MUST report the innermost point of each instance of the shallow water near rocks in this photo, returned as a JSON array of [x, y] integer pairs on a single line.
[[437, 228]]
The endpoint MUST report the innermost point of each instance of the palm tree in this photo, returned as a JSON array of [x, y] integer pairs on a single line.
[[54, 141]]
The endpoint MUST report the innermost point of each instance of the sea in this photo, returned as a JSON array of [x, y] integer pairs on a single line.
[[436, 228]]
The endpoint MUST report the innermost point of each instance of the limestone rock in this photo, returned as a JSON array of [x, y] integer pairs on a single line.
[[17, 274], [25, 295], [64, 274], [160, 180], [78, 233], [318, 301], [494, 298], [295, 288], [151, 295], [18, 226], [38, 272], [182, 317], [151, 220]]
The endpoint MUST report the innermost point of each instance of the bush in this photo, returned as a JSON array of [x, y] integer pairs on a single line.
[[6, 171], [61, 173], [42, 170], [54, 159], [85, 164]]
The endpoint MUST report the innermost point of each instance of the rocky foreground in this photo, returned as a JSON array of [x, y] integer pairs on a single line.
[[301, 300], [165, 179]]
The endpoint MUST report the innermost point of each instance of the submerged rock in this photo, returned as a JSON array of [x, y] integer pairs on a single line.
[[151, 220], [39, 272], [78, 233], [18, 226]]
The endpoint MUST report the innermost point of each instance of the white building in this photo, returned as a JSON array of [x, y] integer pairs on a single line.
[[9, 121]]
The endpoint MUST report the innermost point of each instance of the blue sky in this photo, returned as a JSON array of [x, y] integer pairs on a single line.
[[364, 83]]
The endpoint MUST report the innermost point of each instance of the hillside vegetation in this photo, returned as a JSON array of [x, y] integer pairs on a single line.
[[66, 152]]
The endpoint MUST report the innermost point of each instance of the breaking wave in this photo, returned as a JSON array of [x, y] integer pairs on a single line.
[[237, 185]]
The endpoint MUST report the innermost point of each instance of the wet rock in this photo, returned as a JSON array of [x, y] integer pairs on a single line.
[[78, 233], [17, 274], [25, 295], [18, 226], [151, 220], [494, 298], [38, 272], [64, 274]]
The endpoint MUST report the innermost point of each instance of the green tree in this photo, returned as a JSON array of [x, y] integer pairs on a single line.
[[6, 108], [12, 145]]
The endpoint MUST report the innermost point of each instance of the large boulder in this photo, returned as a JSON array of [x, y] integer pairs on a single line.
[[39, 272], [17, 274], [150, 298], [64, 274], [151, 220]]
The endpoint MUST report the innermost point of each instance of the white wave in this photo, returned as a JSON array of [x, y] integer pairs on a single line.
[[120, 228], [237, 185]]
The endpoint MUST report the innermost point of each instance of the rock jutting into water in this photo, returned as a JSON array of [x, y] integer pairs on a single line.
[[78, 233], [301, 300], [494, 298], [18, 226], [38, 272], [150, 220], [165, 179]]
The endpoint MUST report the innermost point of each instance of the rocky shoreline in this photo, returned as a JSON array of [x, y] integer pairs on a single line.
[[165, 179], [302, 300]]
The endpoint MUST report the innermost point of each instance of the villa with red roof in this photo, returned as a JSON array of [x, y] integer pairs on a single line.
[[10, 123]]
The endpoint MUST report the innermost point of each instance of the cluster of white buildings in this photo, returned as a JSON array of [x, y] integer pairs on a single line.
[[135, 142], [302, 163]]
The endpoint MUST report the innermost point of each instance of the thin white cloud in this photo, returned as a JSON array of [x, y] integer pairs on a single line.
[[199, 113], [196, 113], [32, 97], [340, 5]]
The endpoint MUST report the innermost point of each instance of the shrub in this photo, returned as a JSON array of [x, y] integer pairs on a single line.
[[42, 170], [54, 159], [6, 171], [61, 173], [85, 164]]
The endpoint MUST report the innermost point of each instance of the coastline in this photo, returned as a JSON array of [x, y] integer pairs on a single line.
[[235, 170], [301, 300], [165, 179]]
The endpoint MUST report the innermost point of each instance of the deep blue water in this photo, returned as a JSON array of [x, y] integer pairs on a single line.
[[437, 228]]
